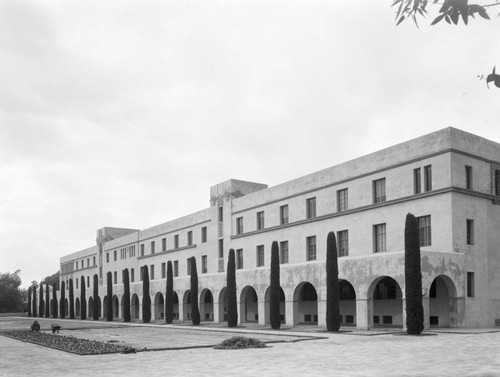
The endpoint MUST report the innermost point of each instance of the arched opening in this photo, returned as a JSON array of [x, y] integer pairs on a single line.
[[347, 303], [305, 304], [159, 306], [206, 305], [116, 307], [442, 312], [248, 305], [223, 305], [387, 302], [77, 308], [176, 306], [187, 305], [90, 307], [134, 307], [282, 306]]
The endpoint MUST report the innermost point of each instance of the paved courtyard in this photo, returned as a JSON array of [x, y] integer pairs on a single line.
[[468, 353]]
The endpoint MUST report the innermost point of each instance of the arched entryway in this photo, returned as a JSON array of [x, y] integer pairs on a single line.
[[159, 306], [206, 305], [347, 303], [386, 296], [187, 305], [134, 307], [90, 307], [116, 307], [223, 305], [282, 306], [249, 310], [305, 304], [442, 313], [77, 307]]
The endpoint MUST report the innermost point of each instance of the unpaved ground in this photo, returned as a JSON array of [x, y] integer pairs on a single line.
[[445, 354]]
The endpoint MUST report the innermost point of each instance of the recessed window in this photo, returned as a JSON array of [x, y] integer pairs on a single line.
[[115, 255], [152, 247], [76, 282], [115, 278], [164, 244], [424, 230], [76, 265], [260, 255], [343, 241], [131, 251], [190, 238], [496, 182], [220, 216], [204, 234], [379, 245], [221, 248], [342, 200], [428, 178], [283, 252], [176, 241], [417, 181], [468, 177], [311, 248], [260, 220], [142, 250], [470, 284], [284, 214], [163, 270], [239, 225], [132, 275], [204, 264], [239, 259], [310, 208], [470, 232], [379, 191], [176, 268], [152, 274], [107, 257]]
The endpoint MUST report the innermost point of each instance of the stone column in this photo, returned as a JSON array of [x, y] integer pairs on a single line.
[[290, 315], [216, 312], [321, 313], [261, 309], [362, 314]]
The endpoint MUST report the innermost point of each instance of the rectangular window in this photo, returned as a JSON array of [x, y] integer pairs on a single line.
[[176, 241], [379, 191], [379, 245], [284, 214], [190, 238], [76, 265], [115, 277], [204, 264], [311, 248], [142, 250], [204, 234], [131, 251], [115, 255], [239, 259], [163, 270], [163, 244], [221, 248], [310, 208], [88, 281], [417, 181], [152, 272], [470, 232], [93, 260], [239, 225], [428, 178], [284, 252], [152, 247], [132, 275], [496, 190], [176, 268], [107, 257], [220, 216], [343, 241], [468, 177], [88, 262], [342, 200], [260, 220], [76, 282], [470, 284], [424, 230], [260, 255]]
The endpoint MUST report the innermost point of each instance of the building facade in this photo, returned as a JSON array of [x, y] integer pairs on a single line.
[[450, 180]]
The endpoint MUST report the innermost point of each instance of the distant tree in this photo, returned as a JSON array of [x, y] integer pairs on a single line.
[[83, 299], [413, 278], [195, 310], [109, 298], [29, 302], [232, 308], [62, 302], [54, 301], [35, 310], [41, 306], [332, 284], [274, 288], [95, 307], [126, 295], [146, 298], [52, 279], [169, 297], [47, 302], [10, 295], [71, 300]]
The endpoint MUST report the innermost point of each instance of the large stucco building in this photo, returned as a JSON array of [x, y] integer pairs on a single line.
[[450, 180]]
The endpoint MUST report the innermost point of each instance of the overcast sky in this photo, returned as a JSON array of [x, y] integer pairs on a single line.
[[124, 113]]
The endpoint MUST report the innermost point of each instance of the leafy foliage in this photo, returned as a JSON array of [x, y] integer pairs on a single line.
[[83, 299], [332, 284], [47, 302], [274, 289], [71, 300], [146, 298], [54, 301], [95, 308], [52, 279], [29, 302], [126, 295], [240, 342], [169, 297], [109, 297], [10, 294], [232, 308], [62, 303], [195, 310], [41, 308], [35, 310]]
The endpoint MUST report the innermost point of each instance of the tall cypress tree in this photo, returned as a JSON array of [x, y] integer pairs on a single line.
[[41, 307], [146, 298], [169, 297], [54, 301], [29, 302], [95, 307], [274, 288], [71, 300], [34, 302], [83, 299], [47, 301], [232, 307], [126, 296], [195, 310], [332, 284], [109, 298], [413, 278], [62, 303]]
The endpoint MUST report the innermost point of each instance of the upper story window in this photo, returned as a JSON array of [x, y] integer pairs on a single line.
[[204, 234], [424, 229], [470, 232], [417, 181], [260, 255], [190, 238], [310, 208], [379, 191], [107, 257], [93, 260], [142, 250], [468, 177], [176, 268], [152, 272], [221, 248], [260, 220], [152, 247], [132, 275], [164, 244], [76, 265], [284, 214], [239, 259], [204, 264], [239, 225], [470, 284], [342, 200], [311, 248], [163, 270], [343, 241], [88, 262], [176, 241], [115, 255], [496, 182], [379, 244], [284, 252], [220, 215], [428, 178]]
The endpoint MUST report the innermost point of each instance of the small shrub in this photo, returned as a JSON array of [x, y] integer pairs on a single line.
[[240, 342]]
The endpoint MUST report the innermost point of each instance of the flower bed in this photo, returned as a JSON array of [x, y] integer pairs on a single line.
[[240, 342]]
